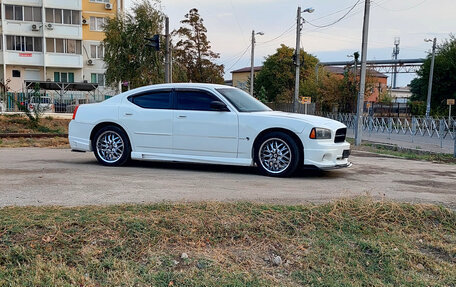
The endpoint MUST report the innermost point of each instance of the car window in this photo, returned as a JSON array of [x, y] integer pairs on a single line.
[[195, 100], [243, 101], [153, 100]]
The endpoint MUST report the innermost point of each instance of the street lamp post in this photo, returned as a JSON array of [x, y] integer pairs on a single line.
[[252, 61], [297, 56], [431, 76]]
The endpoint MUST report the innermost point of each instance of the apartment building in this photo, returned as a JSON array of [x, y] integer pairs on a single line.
[[53, 40]]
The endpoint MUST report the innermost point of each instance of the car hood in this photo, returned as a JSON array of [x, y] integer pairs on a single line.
[[312, 120]]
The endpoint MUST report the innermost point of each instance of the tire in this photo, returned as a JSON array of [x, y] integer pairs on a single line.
[[111, 146], [277, 154]]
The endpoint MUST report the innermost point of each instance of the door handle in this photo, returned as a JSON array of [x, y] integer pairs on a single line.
[[181, 117], [128, 114]]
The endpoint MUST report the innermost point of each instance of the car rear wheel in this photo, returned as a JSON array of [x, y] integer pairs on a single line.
[[277, 154], [111, 146]]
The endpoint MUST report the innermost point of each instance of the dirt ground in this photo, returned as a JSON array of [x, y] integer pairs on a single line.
[[43, 176]]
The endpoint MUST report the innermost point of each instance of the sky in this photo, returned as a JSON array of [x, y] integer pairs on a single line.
[[230, 24]]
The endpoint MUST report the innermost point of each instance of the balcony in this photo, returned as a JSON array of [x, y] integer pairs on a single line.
[[22, 28], [24, 2], [65, 31], [63, 60], [24, 58], [64, 4]]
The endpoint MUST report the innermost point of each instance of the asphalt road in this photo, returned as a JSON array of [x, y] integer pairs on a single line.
[[34, 176]]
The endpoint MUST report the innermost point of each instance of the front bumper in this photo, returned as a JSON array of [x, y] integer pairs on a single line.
[[348, 164], [325, 154]]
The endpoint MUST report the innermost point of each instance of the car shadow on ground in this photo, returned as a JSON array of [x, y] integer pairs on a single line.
[[305, 172]]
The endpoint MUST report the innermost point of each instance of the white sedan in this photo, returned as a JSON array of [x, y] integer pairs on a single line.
[[205, 123]]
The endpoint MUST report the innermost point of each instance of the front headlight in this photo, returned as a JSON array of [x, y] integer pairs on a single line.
[[320, 134]]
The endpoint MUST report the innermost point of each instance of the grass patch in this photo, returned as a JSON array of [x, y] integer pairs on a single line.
[[55, 142], [403, 152], [356, 242], [18, 123]]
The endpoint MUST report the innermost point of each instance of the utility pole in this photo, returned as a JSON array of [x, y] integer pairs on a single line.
[[431, 76], [362, 86], [297, 55], [297, 61], [356, 60], [170, 63], [167, 78], [396, 50], [252, 63]]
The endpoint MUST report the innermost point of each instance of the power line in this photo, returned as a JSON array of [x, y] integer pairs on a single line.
[[338, 20], [240, 57], [398, 10], [280, 36], [237, 20]]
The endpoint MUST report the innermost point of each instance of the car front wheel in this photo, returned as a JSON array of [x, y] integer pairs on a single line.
[[277, 154], [111, 146]]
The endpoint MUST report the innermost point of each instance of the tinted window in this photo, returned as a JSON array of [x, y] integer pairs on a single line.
[[157, 100], [195, 100]]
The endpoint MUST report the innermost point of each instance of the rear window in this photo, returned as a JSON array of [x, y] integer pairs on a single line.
[[153, 100]]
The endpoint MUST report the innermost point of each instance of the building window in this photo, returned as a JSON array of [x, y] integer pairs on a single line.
[[59, 16], [13, 12], [22, 43], [64, 46], [16, 74], [32, 14], [97, 23], [97, 51], [63, 77], [23, 13], [97, 79]]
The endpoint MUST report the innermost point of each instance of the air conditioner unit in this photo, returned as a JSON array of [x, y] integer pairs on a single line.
[[84, 21], [49, 26], [90, 62], [108, 6], [35, 27]]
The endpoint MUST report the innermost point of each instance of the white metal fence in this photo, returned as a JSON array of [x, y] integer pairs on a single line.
[[50, 101], [444, 128]]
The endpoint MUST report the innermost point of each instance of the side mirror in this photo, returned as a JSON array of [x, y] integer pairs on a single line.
[[219, 106]]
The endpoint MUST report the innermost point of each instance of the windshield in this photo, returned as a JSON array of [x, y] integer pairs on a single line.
[[243, 101]]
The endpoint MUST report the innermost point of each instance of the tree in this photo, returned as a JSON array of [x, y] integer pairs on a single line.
[[444, 83], [126, 56], [32, 108], [277, 77], [193, 51]]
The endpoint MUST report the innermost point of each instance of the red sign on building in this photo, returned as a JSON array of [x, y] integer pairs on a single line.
[[25, 54]]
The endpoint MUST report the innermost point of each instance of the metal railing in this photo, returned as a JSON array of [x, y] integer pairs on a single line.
[[50, 101], [442, 128]]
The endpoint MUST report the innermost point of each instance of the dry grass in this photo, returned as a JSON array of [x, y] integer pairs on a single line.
[[55, 142], [17, 123], [356, 242]]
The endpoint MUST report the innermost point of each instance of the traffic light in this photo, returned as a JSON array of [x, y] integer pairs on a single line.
[[154, 42]]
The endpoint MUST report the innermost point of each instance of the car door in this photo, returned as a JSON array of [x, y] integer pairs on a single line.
[[148, 117], [199, 130]]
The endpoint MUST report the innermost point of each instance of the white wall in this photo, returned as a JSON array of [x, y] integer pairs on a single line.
[[64, 4], [24, 58], [63, 60]]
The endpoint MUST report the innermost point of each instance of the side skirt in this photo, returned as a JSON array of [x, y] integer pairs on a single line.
[[191, 158]]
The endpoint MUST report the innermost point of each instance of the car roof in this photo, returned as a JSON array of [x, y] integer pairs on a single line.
[[185, 85], [168, 86]]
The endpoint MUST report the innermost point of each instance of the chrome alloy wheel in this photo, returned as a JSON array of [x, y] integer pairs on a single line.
[[110, 146], [275, 155]]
